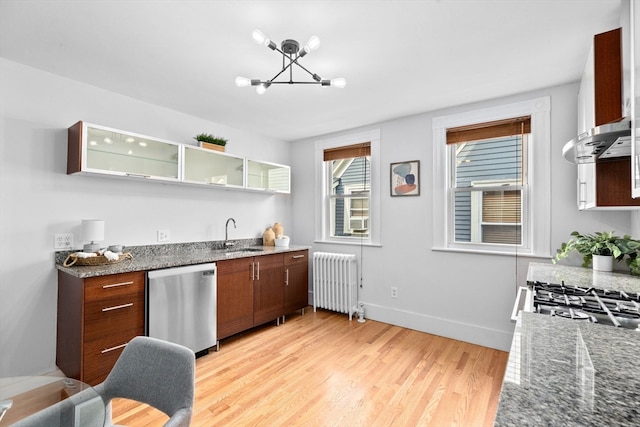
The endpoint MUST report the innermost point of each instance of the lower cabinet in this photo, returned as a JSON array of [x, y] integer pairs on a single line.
[[97, 317], [296, 281], [268, 288], [235, 296], [256, 290]]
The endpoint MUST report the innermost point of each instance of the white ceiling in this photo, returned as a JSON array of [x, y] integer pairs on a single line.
[[399, 57]]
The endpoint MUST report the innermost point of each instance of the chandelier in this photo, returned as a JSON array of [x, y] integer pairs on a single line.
[[291, 54]]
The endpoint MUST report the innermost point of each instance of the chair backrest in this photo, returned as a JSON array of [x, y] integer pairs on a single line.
[[155, 372]]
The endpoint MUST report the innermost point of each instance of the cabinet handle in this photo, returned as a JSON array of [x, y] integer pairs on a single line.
[[286, 280], [117, 307], [258, 271], [253, 270], [138, 175], [297, 256], [107, 350], [115, 285]]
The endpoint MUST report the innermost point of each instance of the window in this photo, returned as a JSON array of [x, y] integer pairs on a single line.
[[348, 201], [491, 172], [489, 182]]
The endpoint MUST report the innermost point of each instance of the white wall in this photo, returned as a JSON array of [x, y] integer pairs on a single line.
[[463, 296], [38, 199]]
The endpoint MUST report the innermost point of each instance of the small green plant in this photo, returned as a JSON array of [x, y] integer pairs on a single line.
[[206, 137], [602, 243]]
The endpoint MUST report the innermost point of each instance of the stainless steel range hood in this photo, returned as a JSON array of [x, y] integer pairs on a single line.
[[605, 141]]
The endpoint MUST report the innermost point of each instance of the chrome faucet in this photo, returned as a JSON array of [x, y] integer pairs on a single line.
[[228, 244]]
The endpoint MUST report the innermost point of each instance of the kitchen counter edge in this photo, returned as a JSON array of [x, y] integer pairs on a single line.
[[149, 262]]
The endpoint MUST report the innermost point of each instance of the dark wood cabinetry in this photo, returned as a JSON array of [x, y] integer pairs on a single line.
[[97, 317], [235, 296], [296, 281], [268, 289], [613, 185], [256, 290]]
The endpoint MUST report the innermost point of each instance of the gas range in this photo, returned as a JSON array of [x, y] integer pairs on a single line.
[[616, 308]]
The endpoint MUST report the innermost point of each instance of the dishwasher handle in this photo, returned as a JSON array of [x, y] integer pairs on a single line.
[[207, 269]]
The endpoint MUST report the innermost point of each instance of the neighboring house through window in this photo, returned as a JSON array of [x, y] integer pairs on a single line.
[[491, 173], [346, 170]]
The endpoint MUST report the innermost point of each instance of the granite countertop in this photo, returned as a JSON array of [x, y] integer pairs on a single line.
[[582, 277], [154, 257], [572, 373]]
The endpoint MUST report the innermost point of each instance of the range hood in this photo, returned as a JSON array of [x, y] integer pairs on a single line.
[[604, 141]]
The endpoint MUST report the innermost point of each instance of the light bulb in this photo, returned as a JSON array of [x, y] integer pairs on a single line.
[[261, 89], [312, 44], [243, 81], [260, 38], [339, 82]]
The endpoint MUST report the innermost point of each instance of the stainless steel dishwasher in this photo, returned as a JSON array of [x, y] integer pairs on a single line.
[[181, 305]]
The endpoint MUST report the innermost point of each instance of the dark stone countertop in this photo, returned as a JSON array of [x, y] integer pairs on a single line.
[[154, 257], [563, 372]]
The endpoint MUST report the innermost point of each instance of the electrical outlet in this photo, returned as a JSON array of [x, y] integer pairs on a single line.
[[63, 241], [394, 292], [164, 235]]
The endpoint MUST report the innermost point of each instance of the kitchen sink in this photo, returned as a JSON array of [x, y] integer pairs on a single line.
[[236, 250]]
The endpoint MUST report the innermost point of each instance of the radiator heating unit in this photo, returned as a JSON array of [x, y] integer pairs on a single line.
[[335, 282]]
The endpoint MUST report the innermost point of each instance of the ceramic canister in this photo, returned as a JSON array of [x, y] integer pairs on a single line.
[[278, 230], [268, 237]]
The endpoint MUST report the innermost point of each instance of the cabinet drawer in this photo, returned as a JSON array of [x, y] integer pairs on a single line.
[[100, 356], [296, 258], [105, 287], [109, 317]]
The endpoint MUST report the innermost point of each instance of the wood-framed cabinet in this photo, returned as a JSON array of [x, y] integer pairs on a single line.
[[250, 293], [256, 290], [97, 317], [296, 281], [235, 296]]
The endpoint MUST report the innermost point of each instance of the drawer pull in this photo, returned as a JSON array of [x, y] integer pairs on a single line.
[[117, 307], [115, 285], [107, 350], [297, 256]]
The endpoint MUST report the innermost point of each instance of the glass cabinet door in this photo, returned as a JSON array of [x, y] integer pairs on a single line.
[[268, 176], [115, 152], [204, 166]]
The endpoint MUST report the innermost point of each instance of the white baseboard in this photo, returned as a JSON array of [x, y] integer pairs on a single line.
[[474, 334]]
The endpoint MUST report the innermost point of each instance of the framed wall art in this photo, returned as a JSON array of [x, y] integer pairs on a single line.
[[405, 178]]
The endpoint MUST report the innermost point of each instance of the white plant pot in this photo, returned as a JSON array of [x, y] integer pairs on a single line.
[[602, 262]]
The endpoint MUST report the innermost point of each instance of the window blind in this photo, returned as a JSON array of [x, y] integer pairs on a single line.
[[348, 151], [495, 129]]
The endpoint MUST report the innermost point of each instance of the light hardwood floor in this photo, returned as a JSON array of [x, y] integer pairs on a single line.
[[320, 369]]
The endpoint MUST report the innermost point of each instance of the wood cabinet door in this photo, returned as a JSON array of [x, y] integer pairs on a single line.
[[235, 296], [296, 289], [268, 288]]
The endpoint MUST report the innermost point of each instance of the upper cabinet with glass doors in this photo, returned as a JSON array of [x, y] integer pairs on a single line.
[[107, 151], [267, 176], [208, 167], [94, 149]]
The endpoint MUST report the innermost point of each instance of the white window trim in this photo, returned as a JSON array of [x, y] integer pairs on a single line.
[[322, 227], [539, 176]]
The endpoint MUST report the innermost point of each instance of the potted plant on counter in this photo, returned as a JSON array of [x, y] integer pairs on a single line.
[[207, 140], [601, 249]]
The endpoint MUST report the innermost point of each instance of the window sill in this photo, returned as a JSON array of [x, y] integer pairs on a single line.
[[354, 243], [481, 252]]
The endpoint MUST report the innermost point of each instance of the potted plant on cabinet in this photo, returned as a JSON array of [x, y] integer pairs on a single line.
[[600, 249], [207, 140]]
